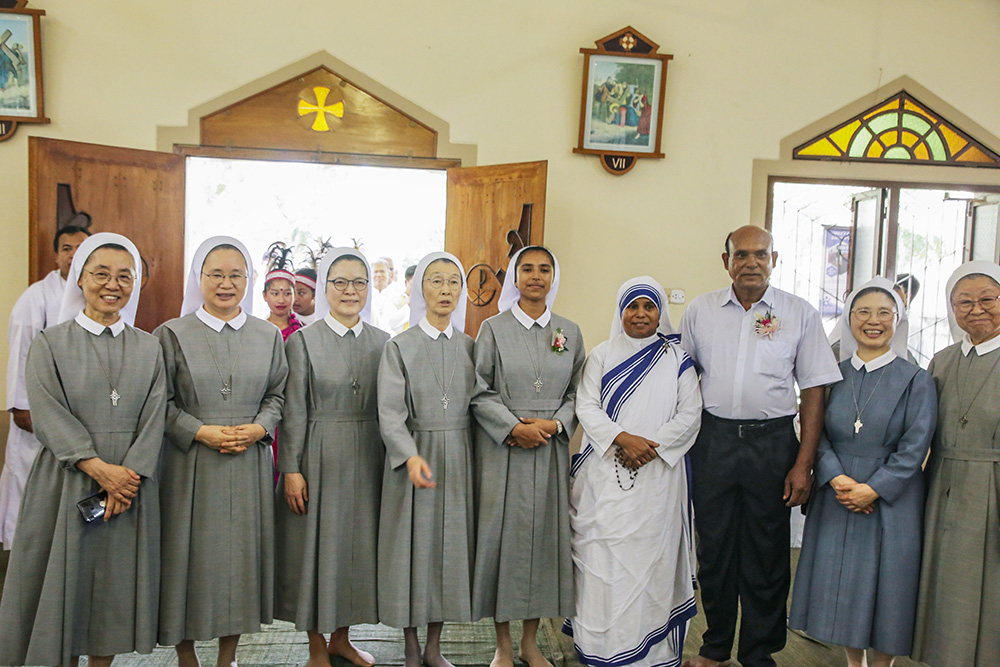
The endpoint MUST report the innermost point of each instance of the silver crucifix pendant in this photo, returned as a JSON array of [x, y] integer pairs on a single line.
[[226, 390], [355, 386], [114, 397], [444, 400], [964, 420], [857, 426], [538, 385]]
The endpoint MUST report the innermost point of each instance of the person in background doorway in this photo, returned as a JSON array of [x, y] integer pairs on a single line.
[[402, 318], [753, 344], [386, 293], [37, 308], [279, 290], [305, 295], [906, 287]]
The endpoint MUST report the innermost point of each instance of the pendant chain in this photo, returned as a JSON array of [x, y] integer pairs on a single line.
[[112, 384], [964, 419], [444, 389], [858, 423], [227, 383], [538, 369], [351, 370]]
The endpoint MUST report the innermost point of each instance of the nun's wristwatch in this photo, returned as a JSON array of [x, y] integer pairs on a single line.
[[559, 427]]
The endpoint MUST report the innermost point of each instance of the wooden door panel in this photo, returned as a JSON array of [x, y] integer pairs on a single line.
[[492, 212], [139, 194]]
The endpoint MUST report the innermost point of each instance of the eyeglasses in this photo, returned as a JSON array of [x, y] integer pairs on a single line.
[[438, 283], [103, 277], [217, 278], [965, 306], [340, 284], [882, 314]]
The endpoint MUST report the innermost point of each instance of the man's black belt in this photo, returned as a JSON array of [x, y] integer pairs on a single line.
[[748, 428]]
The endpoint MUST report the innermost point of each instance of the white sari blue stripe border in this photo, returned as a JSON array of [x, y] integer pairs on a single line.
[[674, 630]]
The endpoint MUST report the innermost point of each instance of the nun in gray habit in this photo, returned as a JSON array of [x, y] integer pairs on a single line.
[[856, 583], [426, 385], [533, 359], [76, 588], [226, 375], [331, 460]]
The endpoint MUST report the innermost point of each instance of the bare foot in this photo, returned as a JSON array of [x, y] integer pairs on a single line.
[[503, 658], [435, 659], [411, 648], [343, 648], [702, 661], [533, 656], [186, 656]]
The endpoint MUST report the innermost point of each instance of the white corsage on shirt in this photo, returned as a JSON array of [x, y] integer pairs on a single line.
[[766, 325]]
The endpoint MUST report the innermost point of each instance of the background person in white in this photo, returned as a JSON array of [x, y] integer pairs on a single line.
[[753, 343], [36, 309]]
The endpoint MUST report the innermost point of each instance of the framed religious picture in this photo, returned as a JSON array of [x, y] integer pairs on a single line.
[[21, 99], [621, 109]]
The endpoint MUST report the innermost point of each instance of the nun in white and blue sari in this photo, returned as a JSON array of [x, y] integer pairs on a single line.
[[639, 404]]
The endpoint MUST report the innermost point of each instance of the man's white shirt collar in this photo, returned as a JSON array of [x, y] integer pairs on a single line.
[[874, 364], [433, 332], [767, 299], [216, 324], [981, 349], [342, 330], [97, 328], [525, 319]]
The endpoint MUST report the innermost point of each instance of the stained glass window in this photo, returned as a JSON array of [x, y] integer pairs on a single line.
[[900, 129]]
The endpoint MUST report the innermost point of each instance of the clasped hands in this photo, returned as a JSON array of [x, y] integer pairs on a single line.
[[634, 451], [532, 432], [120, 483], [853, 495], [230, 439]]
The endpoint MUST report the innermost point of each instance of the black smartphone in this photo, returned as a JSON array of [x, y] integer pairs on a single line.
[[92, 507]]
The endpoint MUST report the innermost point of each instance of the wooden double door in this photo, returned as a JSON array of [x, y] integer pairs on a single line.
[[492, 211]]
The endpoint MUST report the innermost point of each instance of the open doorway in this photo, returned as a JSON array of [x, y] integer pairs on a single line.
[[832, 237], [384, 211]]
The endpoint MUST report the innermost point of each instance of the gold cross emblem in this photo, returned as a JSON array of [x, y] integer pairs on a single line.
[[321, 109]]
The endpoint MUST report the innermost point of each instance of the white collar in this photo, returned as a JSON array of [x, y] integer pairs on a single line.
[[982, 348], [525, 319], [216, 324], [340, 329], [97, 328], [874, 364], [767, 299], [435, 333]]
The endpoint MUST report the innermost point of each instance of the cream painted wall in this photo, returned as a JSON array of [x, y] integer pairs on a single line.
[[506, 76]]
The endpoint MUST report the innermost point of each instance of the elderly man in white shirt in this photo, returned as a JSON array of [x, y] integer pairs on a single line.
[[37, 308], [752, 343]]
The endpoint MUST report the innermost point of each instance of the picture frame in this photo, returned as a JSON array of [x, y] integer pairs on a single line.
[[21, 89], [621, 106]]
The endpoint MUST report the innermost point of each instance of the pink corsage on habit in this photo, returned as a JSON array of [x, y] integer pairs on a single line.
[[559, 341], [766, 325]]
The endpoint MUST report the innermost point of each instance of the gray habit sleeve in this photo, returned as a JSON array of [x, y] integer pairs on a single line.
[[269, 415], [144, 455], [393, 408], [181, 427], [56, 427], [296, 416]]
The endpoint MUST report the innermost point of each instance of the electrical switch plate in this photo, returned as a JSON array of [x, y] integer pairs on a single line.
[[677, 296]]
